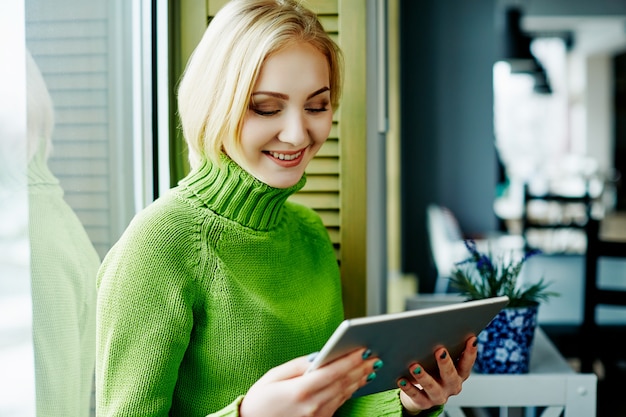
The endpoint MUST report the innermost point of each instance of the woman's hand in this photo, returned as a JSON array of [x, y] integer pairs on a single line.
[[287, 390], [436, 391]]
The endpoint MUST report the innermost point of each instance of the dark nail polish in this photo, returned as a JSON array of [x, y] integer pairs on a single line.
[[443, 355], [366, 354], [417, 370], [475, 342], [371, 376], [403, 383], [378, 364]]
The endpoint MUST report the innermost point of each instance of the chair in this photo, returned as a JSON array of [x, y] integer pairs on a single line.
[[446, 244], [559, 228], [601, 341]]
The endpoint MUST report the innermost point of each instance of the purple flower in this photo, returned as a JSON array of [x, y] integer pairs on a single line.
[[482, 275]]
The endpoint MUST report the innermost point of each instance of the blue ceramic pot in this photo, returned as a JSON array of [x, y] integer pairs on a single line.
[[504, 345]]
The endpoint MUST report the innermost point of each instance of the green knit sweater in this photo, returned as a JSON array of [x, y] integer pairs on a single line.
[[211, 286], [63, 264]]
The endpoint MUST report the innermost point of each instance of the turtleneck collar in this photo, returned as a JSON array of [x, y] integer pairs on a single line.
[[39, 173], [230, 191]]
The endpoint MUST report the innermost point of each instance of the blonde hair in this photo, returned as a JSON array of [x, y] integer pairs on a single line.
[[215, 91]]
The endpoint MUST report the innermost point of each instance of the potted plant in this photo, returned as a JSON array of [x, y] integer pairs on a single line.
[[504, 345]]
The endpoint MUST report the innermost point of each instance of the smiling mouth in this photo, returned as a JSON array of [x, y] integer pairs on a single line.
[[283, 156]]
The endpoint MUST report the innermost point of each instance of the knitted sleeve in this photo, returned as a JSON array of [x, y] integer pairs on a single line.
[[232, 410], [383, 404], [379, 405], [144, 317]]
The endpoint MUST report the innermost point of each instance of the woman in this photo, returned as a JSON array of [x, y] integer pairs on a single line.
[[214, 296]]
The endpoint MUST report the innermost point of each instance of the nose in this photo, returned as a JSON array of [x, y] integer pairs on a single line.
[[294, 130]]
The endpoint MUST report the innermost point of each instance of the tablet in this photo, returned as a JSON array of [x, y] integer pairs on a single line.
[[401, 339]]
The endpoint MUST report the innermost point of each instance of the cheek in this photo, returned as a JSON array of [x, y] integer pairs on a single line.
[[321, 129], [256, 133]]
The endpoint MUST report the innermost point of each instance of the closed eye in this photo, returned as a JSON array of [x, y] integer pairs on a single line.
[[265, 112], [317, 109]]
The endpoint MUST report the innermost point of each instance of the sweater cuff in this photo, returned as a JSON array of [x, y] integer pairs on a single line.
[[431, 412], [231, 410]]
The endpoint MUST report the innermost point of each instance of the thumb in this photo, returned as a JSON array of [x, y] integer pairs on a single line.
[[291, 369]]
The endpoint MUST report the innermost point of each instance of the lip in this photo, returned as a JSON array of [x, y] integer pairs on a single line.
[[286, 159]]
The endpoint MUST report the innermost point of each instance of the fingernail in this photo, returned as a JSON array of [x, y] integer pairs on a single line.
[[366, 354], [312, 356], [403, 382], [417, 370], [378, 364], [371, 376], [443, 354], [475, 342]]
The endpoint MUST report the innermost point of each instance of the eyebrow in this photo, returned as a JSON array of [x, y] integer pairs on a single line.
[[286, 97]]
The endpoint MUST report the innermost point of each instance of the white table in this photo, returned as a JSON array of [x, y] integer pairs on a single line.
[[551, 387]]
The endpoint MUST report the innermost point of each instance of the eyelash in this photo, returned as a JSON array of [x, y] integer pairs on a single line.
[[265, 113], [273, 112], [318, 110]]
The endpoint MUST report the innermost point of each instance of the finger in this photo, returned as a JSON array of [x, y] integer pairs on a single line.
[[361, 360], [291, 369], [468, 357], [338, 380], [450, 381], [412, 389], [418, 399], [430, 386], [445, 363], [350, 371]]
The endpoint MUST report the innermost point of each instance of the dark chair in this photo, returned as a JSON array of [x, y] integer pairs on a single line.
[[601, 342]]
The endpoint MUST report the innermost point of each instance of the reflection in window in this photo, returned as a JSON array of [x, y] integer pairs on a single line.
[[75, 44], [80, 192]]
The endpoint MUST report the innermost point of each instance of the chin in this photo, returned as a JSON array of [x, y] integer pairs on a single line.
[[282, 181], [282, 184]]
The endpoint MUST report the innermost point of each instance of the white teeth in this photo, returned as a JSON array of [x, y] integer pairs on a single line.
[[284, 157]]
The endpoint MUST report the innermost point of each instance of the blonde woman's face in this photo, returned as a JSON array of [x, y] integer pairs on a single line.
[[289, 116]]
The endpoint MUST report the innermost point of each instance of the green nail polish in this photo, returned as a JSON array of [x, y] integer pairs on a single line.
[[443, 355], [366, 354], [403, 383], [378, 364], [417, 370], [371, 376]]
